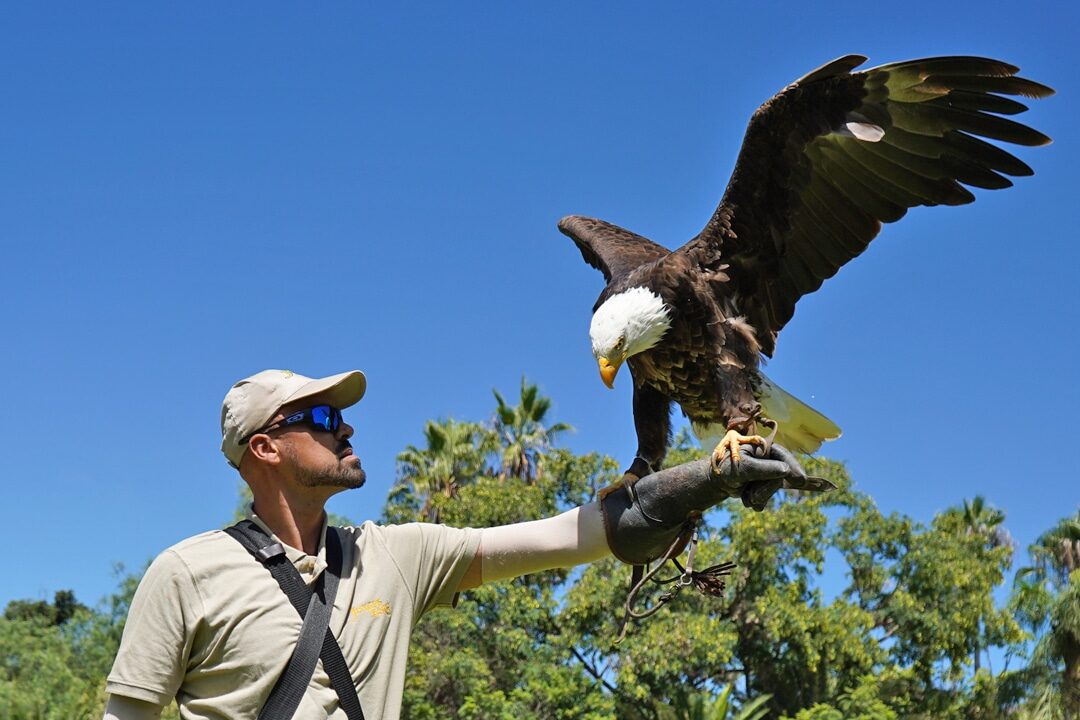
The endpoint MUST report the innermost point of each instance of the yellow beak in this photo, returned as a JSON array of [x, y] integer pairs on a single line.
[[607, 371]]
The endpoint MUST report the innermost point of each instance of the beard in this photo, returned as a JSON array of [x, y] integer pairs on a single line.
[[335, 474]]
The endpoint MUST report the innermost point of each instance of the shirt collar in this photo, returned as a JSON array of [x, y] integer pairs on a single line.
[[309, 566]]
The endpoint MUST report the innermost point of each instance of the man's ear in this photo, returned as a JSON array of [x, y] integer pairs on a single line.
[[263, 448]]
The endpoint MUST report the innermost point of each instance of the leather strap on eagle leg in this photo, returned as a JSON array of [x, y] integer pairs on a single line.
[[636, 573], [708, 581], [639, 576], [758, 419], [773, 427]]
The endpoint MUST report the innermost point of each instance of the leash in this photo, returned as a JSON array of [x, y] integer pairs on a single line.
[[709, 581]]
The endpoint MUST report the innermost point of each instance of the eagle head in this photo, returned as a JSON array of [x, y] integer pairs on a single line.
[[624, 325]]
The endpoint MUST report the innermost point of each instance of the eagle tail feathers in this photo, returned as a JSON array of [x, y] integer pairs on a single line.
[[801, 427]]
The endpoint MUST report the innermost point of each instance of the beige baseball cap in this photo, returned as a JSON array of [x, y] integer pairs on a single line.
[[250, 403]]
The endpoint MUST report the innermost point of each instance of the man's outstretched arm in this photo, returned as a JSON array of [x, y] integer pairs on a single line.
[[572, 538], [635, 526]]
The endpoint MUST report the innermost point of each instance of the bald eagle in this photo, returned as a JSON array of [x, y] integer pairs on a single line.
[[823, 164]]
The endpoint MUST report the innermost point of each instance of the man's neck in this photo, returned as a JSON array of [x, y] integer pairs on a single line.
[[296, 522]]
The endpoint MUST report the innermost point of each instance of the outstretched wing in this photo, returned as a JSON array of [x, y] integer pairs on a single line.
[[835, 154], [609, 248]]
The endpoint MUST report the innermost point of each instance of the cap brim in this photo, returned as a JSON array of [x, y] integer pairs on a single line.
[[342, 390]]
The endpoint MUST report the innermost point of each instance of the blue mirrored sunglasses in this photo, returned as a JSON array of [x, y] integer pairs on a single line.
[[321, 417]]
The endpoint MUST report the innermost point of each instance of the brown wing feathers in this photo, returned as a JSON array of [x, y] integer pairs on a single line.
[[609, 248], [811, 189], [825, 162]]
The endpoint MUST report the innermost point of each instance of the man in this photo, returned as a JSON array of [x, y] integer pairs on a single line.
[[210, 626]]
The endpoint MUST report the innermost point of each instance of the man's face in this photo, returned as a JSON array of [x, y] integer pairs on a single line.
[[316, 458]]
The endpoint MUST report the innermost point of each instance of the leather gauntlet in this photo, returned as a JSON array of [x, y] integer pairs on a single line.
[[643, 517]]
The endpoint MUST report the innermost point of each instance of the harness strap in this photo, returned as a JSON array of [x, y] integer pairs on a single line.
[[314, 604]]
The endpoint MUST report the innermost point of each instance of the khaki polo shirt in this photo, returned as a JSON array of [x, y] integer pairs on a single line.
[[210, 626]]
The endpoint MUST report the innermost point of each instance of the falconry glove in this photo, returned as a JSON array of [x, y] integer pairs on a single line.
[[643, 518]]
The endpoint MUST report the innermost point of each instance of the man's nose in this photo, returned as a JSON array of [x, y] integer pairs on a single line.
[[345, 431]]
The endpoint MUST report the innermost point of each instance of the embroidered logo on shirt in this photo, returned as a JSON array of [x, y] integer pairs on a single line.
[[375, 608]]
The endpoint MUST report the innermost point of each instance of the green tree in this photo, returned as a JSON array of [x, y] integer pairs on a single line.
[[62, 609], [522, 433], [707, 706], [1046, 598], [40, 677], [454, 455], [986, 522], [859, 703], [54, 657]]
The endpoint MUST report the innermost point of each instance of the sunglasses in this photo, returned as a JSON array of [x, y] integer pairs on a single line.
[[324, 418]]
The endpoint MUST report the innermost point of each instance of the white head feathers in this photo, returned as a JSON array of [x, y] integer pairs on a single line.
[[628, 323]]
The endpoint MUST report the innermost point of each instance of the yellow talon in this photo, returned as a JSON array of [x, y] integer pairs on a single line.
[[730, 444]]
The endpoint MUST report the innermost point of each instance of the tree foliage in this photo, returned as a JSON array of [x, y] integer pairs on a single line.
[[522, 435], [54, 657], [1046, 599], [454, 454]]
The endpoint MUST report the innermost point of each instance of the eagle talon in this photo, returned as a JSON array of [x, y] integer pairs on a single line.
[[731, 442]]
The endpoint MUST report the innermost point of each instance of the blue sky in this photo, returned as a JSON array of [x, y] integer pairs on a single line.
[[190, 193]]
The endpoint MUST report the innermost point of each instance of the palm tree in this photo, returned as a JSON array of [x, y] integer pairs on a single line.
[[703, 706], [453, 455], [1057, 552], [1047, 597], [522, 433], [985, 522]]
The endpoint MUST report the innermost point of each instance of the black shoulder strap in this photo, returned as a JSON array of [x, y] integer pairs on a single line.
[[314, 605]]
